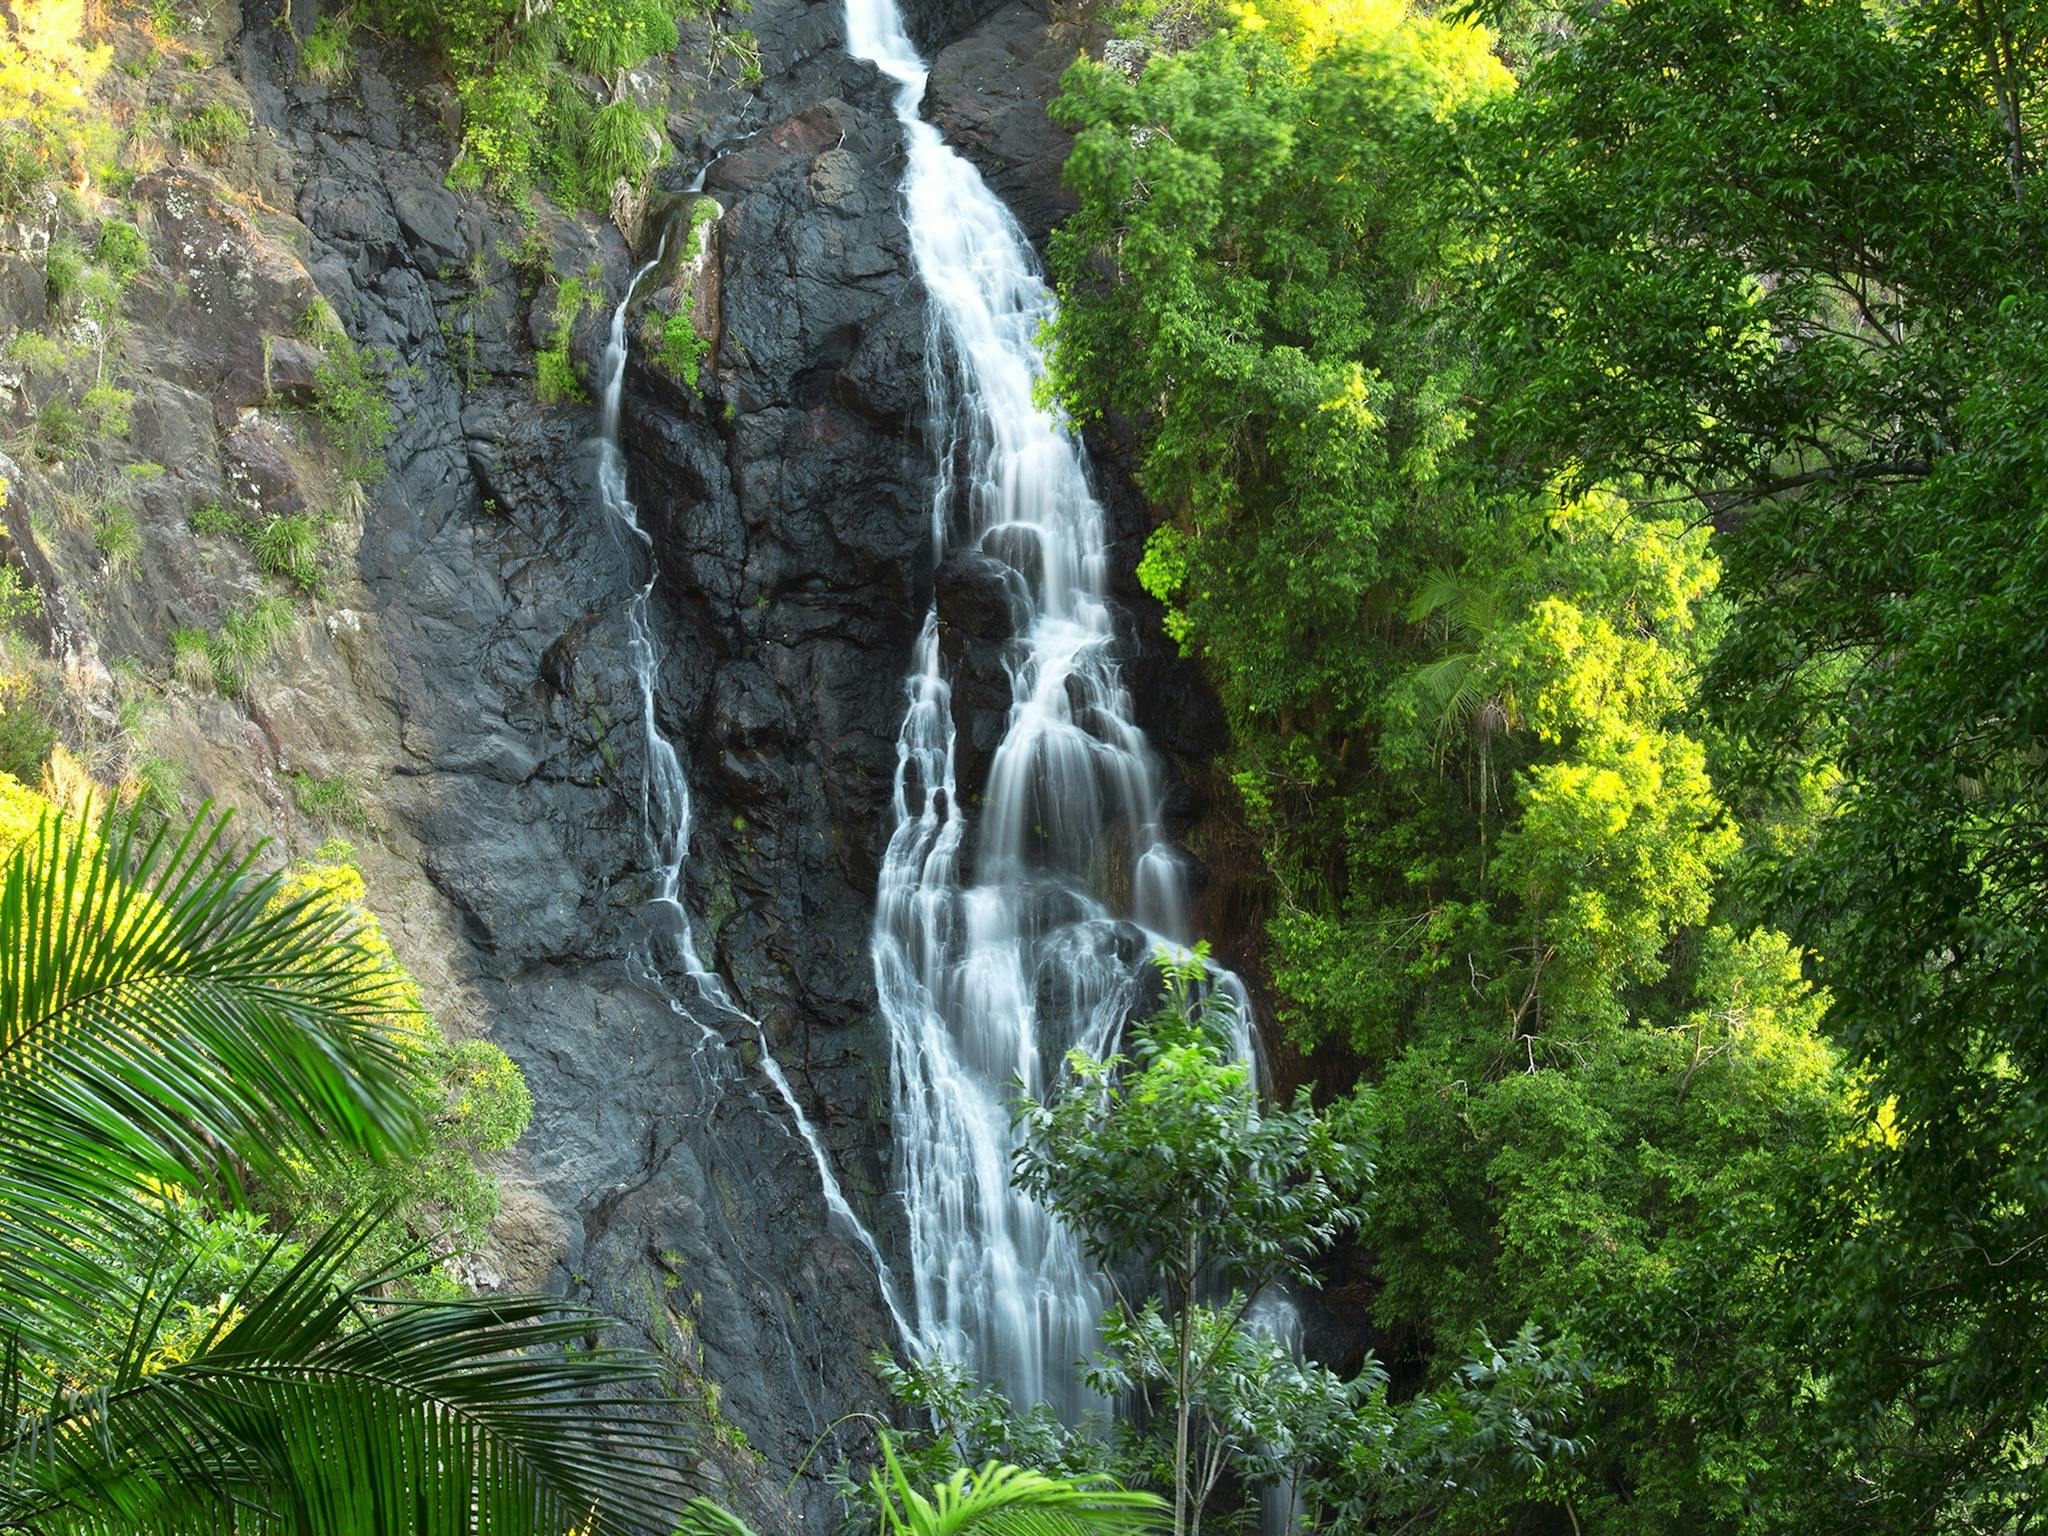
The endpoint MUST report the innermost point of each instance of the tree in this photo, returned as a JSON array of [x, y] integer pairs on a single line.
[[1782, 263], [1171, 1172], [1511, 898], [170, 1029], [1197, 1199]]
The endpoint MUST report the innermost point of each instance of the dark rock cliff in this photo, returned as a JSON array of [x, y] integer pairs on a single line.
[[662, 1177]]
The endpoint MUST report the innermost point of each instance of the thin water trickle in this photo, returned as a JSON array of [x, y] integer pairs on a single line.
[[989, 975], [665, 816]]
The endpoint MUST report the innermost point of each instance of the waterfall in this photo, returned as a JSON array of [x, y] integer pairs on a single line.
[[665, 810], [996, 954]]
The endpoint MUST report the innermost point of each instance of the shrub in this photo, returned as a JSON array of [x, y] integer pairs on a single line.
[[59, 429], [26, 736], [108, 409], [192, 658], [155, 785], [623, 143], [22, 171], [320, 323], [504, 110], [246, 639], [19, 598], [354, 411], [555, 378], [122, 250], [524, 115], [119, 539], [48, 69], [682, 349], [289, 546], [703, 214], [217, 518], [39, 352], [63, 266], [210, 130], [602, 37], [337, 801], [329, 53]]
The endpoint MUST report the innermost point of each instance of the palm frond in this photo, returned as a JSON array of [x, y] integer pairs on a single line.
[[1001, 1500], [1450, 693], [1469, 606], [166, 1020], [702, 1517], [317, 1407]]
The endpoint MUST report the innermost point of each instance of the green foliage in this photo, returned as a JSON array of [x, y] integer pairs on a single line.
[[19, 598], [26, 732], [468, 1094], [218, 519], [1196, 1198], [526, 110], [1485, 1441], [682, 348], [173, 1366], [328, 54], [22, 169], [1782, 263], [209, 131], [63, 267], [108, 408], [1166, 1159], [122, 250], [248, 636], [59, 430], [192, 658], [1416, 454], [155, 786], [995, 1498], [623, 143], [337, 800], [118, 539], [352, 404], [555, 379], [39, 352], [603, 37], [48, 125], [702, 216], [289, 545]]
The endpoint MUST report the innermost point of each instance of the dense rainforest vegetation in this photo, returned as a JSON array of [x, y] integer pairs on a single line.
[[1601, 464], [1599, 452]]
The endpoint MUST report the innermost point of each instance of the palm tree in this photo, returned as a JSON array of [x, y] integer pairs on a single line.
[[998, 1500], [174, 1032]]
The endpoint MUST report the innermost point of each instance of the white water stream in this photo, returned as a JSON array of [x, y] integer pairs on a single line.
[[999, 948], [665, 807]]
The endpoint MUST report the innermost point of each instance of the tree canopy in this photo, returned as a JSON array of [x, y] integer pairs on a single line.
[[1608, 504]]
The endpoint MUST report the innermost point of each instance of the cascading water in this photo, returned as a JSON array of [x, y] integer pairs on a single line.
[[665, 810], [988, 976]]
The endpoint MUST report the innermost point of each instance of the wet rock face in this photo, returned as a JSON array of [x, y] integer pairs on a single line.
[[788, 500], [987, 92], [476, 669]]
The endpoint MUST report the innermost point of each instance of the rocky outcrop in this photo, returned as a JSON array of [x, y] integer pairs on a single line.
[[988, 90], [487, 696]]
